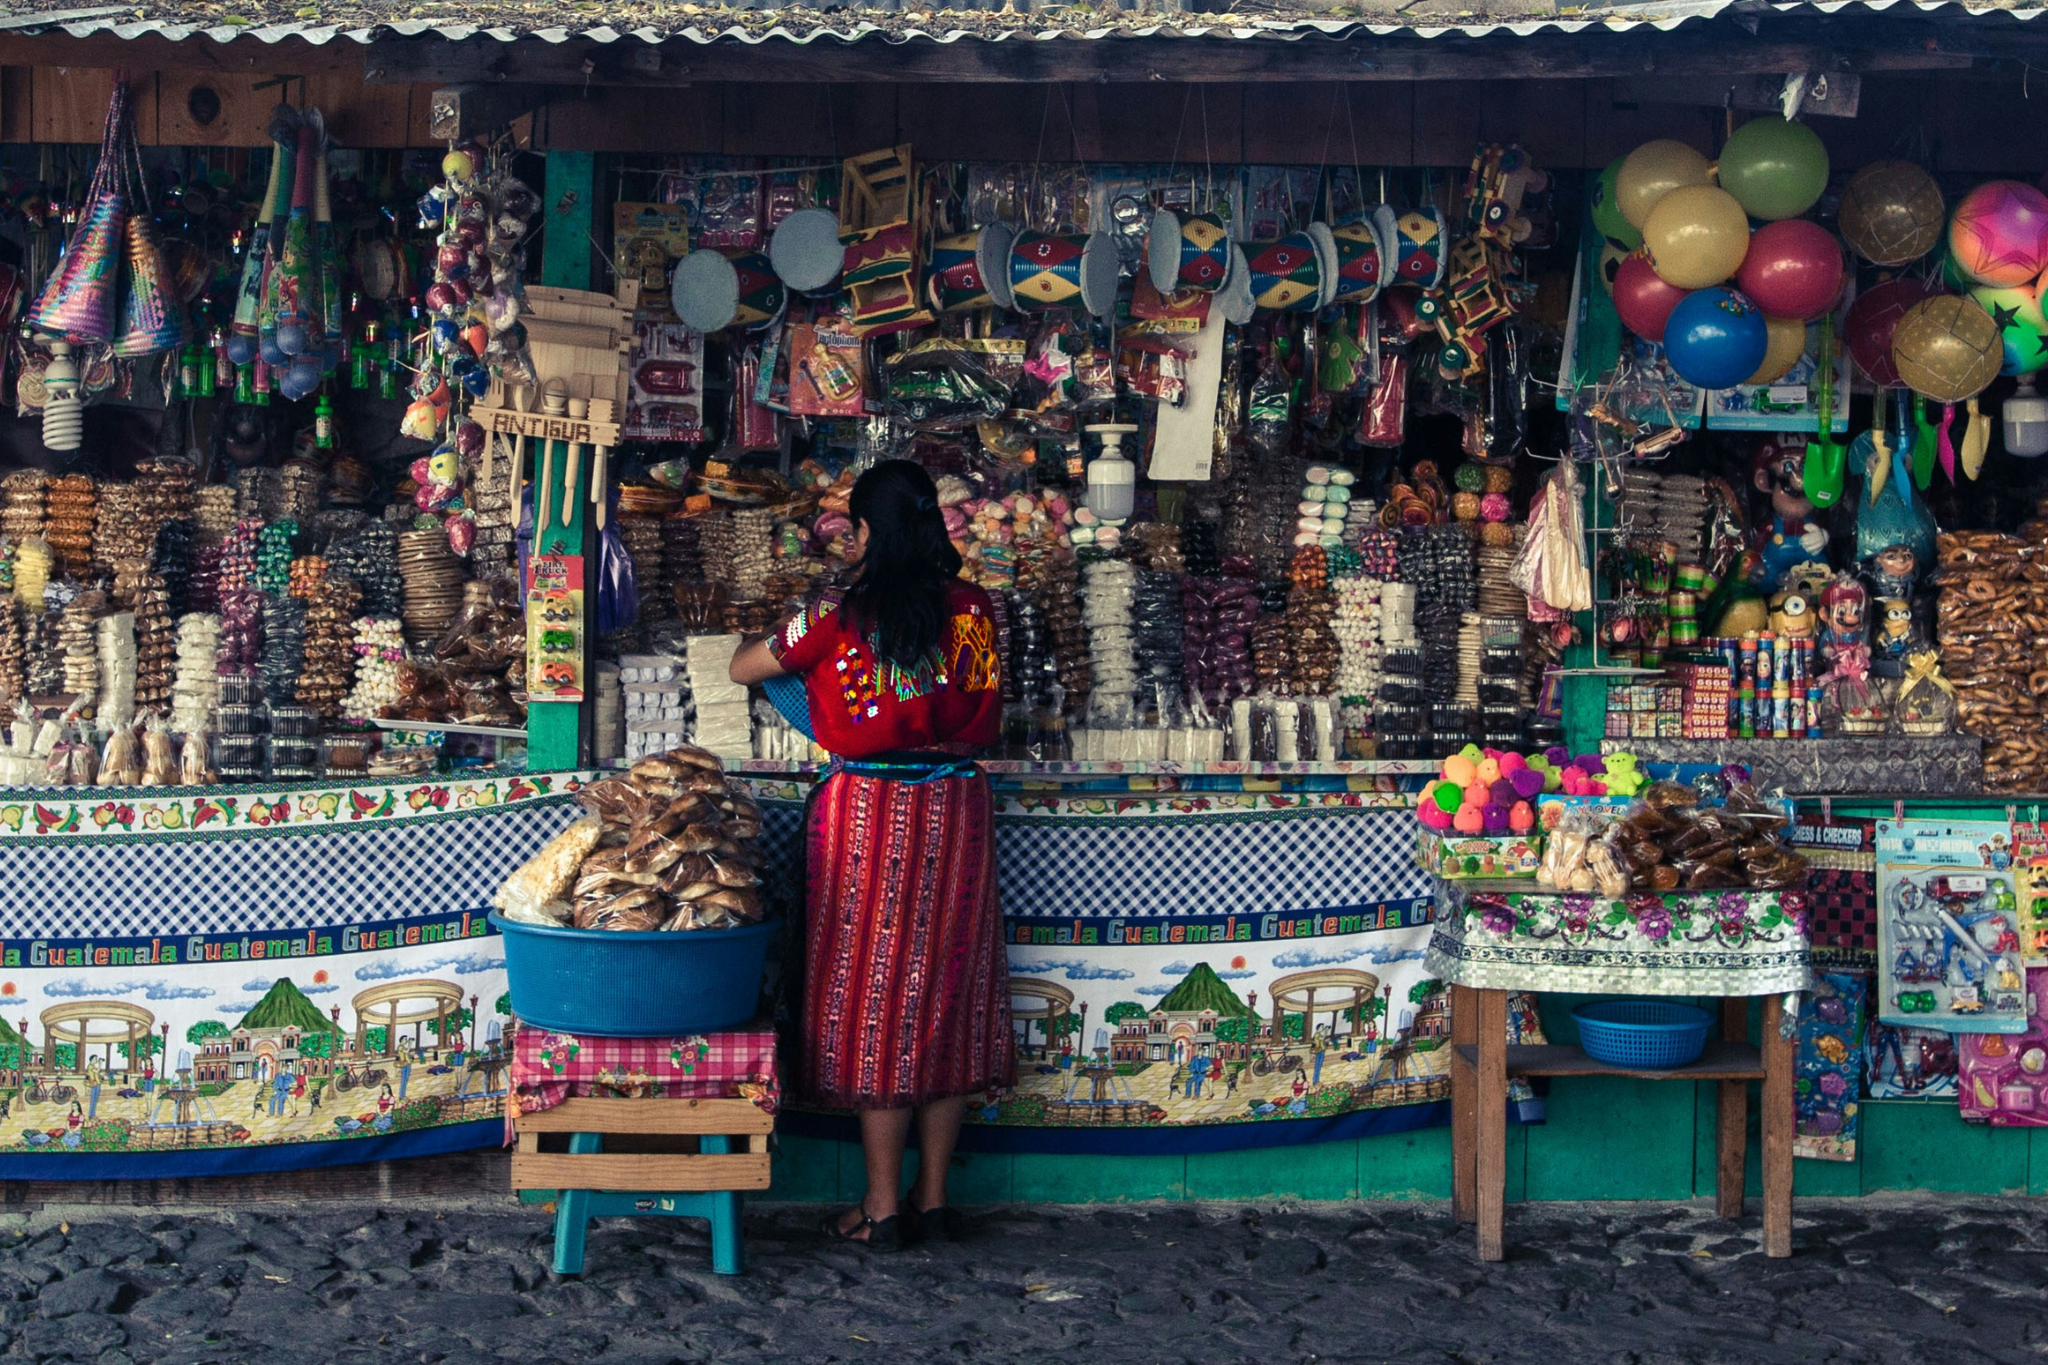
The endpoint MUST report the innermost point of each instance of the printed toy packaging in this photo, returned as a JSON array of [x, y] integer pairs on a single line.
[[2004, 1077], [1827, 1082], [1909, 1063], [1948, 927]]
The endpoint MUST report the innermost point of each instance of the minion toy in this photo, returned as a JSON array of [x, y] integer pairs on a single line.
[[1792, 615]]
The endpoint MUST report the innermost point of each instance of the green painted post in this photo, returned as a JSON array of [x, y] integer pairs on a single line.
[[554, 729]]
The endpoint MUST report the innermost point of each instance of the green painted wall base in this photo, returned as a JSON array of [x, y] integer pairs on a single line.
[[1604, 1139]]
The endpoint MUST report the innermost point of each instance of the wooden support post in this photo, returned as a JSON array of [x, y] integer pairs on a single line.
[[1492, 1101], [1731, 1118], [1464, 1106], [1777, 1126]]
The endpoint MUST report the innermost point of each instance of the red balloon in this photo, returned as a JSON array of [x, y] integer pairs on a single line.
[[1793, 269], [1867, 330], [1643, 299]]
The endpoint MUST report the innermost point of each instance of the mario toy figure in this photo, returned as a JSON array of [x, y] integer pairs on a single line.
[[1793, 538]]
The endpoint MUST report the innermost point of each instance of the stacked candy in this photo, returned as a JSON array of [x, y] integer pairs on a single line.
[[116, 707], [1483, 792], [379, 650], [259, 494], [32, 564], [299, 486], [214, 512], [195, 686], [1108, 587], [680, 560], [370, 557], [118, 534], [1324, 510], [75, 639], [642, 536], [718, 545], [163, 490], [241, 632], [1200, 550], [1051, 578], [752, 531], [13, 654], [274, 556], [22, 509], [154, 650], [1357, 628], [1217, 659], [1270, 654], [74, 507], [329, 666], [284, 648], [43, 660], [172, 560]]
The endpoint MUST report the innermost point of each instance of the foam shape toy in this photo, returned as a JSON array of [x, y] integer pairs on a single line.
[[1521, 817], [1527, 782], [1503, 792], [1469, 820], [1512, 763], [1494, 818], [1460, 769], [1624, 777], [1446, 797]]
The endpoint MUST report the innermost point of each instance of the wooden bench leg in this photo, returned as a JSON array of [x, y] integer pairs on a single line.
[[1492, 1126], [1464, 1107], [1777, 1125], [1731, 1128], [572, 1212]]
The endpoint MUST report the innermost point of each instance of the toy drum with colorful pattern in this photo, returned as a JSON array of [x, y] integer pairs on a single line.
[[959, 278], [1287, 276], [806, 250], [1235, 298], [711, 291], [1417, 243], [1191, 252], [1051, 270], [1363, 266]]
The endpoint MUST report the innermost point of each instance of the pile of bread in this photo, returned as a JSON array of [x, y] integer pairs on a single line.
[[668, 845]]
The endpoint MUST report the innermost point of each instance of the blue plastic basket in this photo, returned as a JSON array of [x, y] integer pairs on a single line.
[[1643, 1034], [621, 985]]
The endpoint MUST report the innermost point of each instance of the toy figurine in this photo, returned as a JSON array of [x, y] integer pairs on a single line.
[[1844, 616], [1892, 571], [1793, 537], [1792, 616], [1894, 634]]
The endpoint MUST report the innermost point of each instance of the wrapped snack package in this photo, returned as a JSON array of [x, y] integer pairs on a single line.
[[549, 873], [159, 764]]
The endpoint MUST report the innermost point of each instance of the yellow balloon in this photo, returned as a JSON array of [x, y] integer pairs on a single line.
[[1785, 343], [1652, 171], [1696, 236]]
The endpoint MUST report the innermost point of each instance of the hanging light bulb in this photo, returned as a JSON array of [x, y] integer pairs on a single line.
[[63, 414], [2026, 420]]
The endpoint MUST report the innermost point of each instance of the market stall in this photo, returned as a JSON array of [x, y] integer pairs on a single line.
[[1687, 425]]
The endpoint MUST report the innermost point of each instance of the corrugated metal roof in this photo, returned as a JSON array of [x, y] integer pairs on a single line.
[[902, 21]]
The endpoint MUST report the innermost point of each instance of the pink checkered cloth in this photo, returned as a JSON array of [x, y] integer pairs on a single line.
[[549, 1067]]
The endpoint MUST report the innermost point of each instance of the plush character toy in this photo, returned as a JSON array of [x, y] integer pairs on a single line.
[[1624, 777]]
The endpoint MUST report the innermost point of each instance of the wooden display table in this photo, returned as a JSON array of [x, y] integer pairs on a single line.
[[656, 1127], [1496, 937]]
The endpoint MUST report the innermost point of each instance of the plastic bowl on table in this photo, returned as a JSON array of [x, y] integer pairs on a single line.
[[1646, 1035], [635, 985]]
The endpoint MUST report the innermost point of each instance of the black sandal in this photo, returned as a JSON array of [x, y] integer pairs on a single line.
[[941, 1223], [886, 1234]]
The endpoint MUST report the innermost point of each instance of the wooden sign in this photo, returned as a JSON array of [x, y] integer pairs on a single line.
[[590, 431]]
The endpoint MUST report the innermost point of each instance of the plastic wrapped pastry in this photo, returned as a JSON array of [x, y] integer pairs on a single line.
[[549, 873]]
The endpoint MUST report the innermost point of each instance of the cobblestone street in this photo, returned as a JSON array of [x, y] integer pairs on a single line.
[[1875, 1280]]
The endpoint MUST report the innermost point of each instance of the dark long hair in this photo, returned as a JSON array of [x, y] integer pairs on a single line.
[[899, 593]]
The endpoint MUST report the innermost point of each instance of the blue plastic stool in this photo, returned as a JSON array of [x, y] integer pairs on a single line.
[[732, 1156]]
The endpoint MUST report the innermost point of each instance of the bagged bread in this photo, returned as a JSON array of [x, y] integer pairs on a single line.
[[549, 874]]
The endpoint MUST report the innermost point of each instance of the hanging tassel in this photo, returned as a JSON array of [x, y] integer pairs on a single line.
[[1976, 442], [1946, 450]]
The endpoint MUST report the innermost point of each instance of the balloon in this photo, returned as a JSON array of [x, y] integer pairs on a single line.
[[1774, 168], [1716, 338], [1892, 212], [1999, 234], [2024, 330], [1607, 219], [1609, 264], [1785, 344], [1652, 171], [1793, 269], [1867, 330], [1696, 236], [1643, 299], [1947, 348]]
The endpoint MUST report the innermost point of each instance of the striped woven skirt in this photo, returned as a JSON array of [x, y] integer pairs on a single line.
[[906, 984]]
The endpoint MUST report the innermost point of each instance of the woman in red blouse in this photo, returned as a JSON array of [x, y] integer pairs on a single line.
[[906, 1005]]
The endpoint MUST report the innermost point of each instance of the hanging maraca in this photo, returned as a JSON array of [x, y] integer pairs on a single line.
[[1949, 350]]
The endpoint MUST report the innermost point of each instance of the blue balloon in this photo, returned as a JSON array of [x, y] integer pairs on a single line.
[[1716, 338]]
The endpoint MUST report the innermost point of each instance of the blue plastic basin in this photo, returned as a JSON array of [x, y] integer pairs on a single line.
[[621, 985]]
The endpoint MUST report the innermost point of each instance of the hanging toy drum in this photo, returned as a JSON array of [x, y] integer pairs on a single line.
[[1191, 252], [1070, 270], [1418, 244]]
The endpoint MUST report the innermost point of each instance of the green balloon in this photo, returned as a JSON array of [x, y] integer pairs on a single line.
[[1607, 219], [1775, 169]]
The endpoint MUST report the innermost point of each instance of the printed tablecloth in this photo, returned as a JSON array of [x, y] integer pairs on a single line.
[[1672, 943], [549, 1067]]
